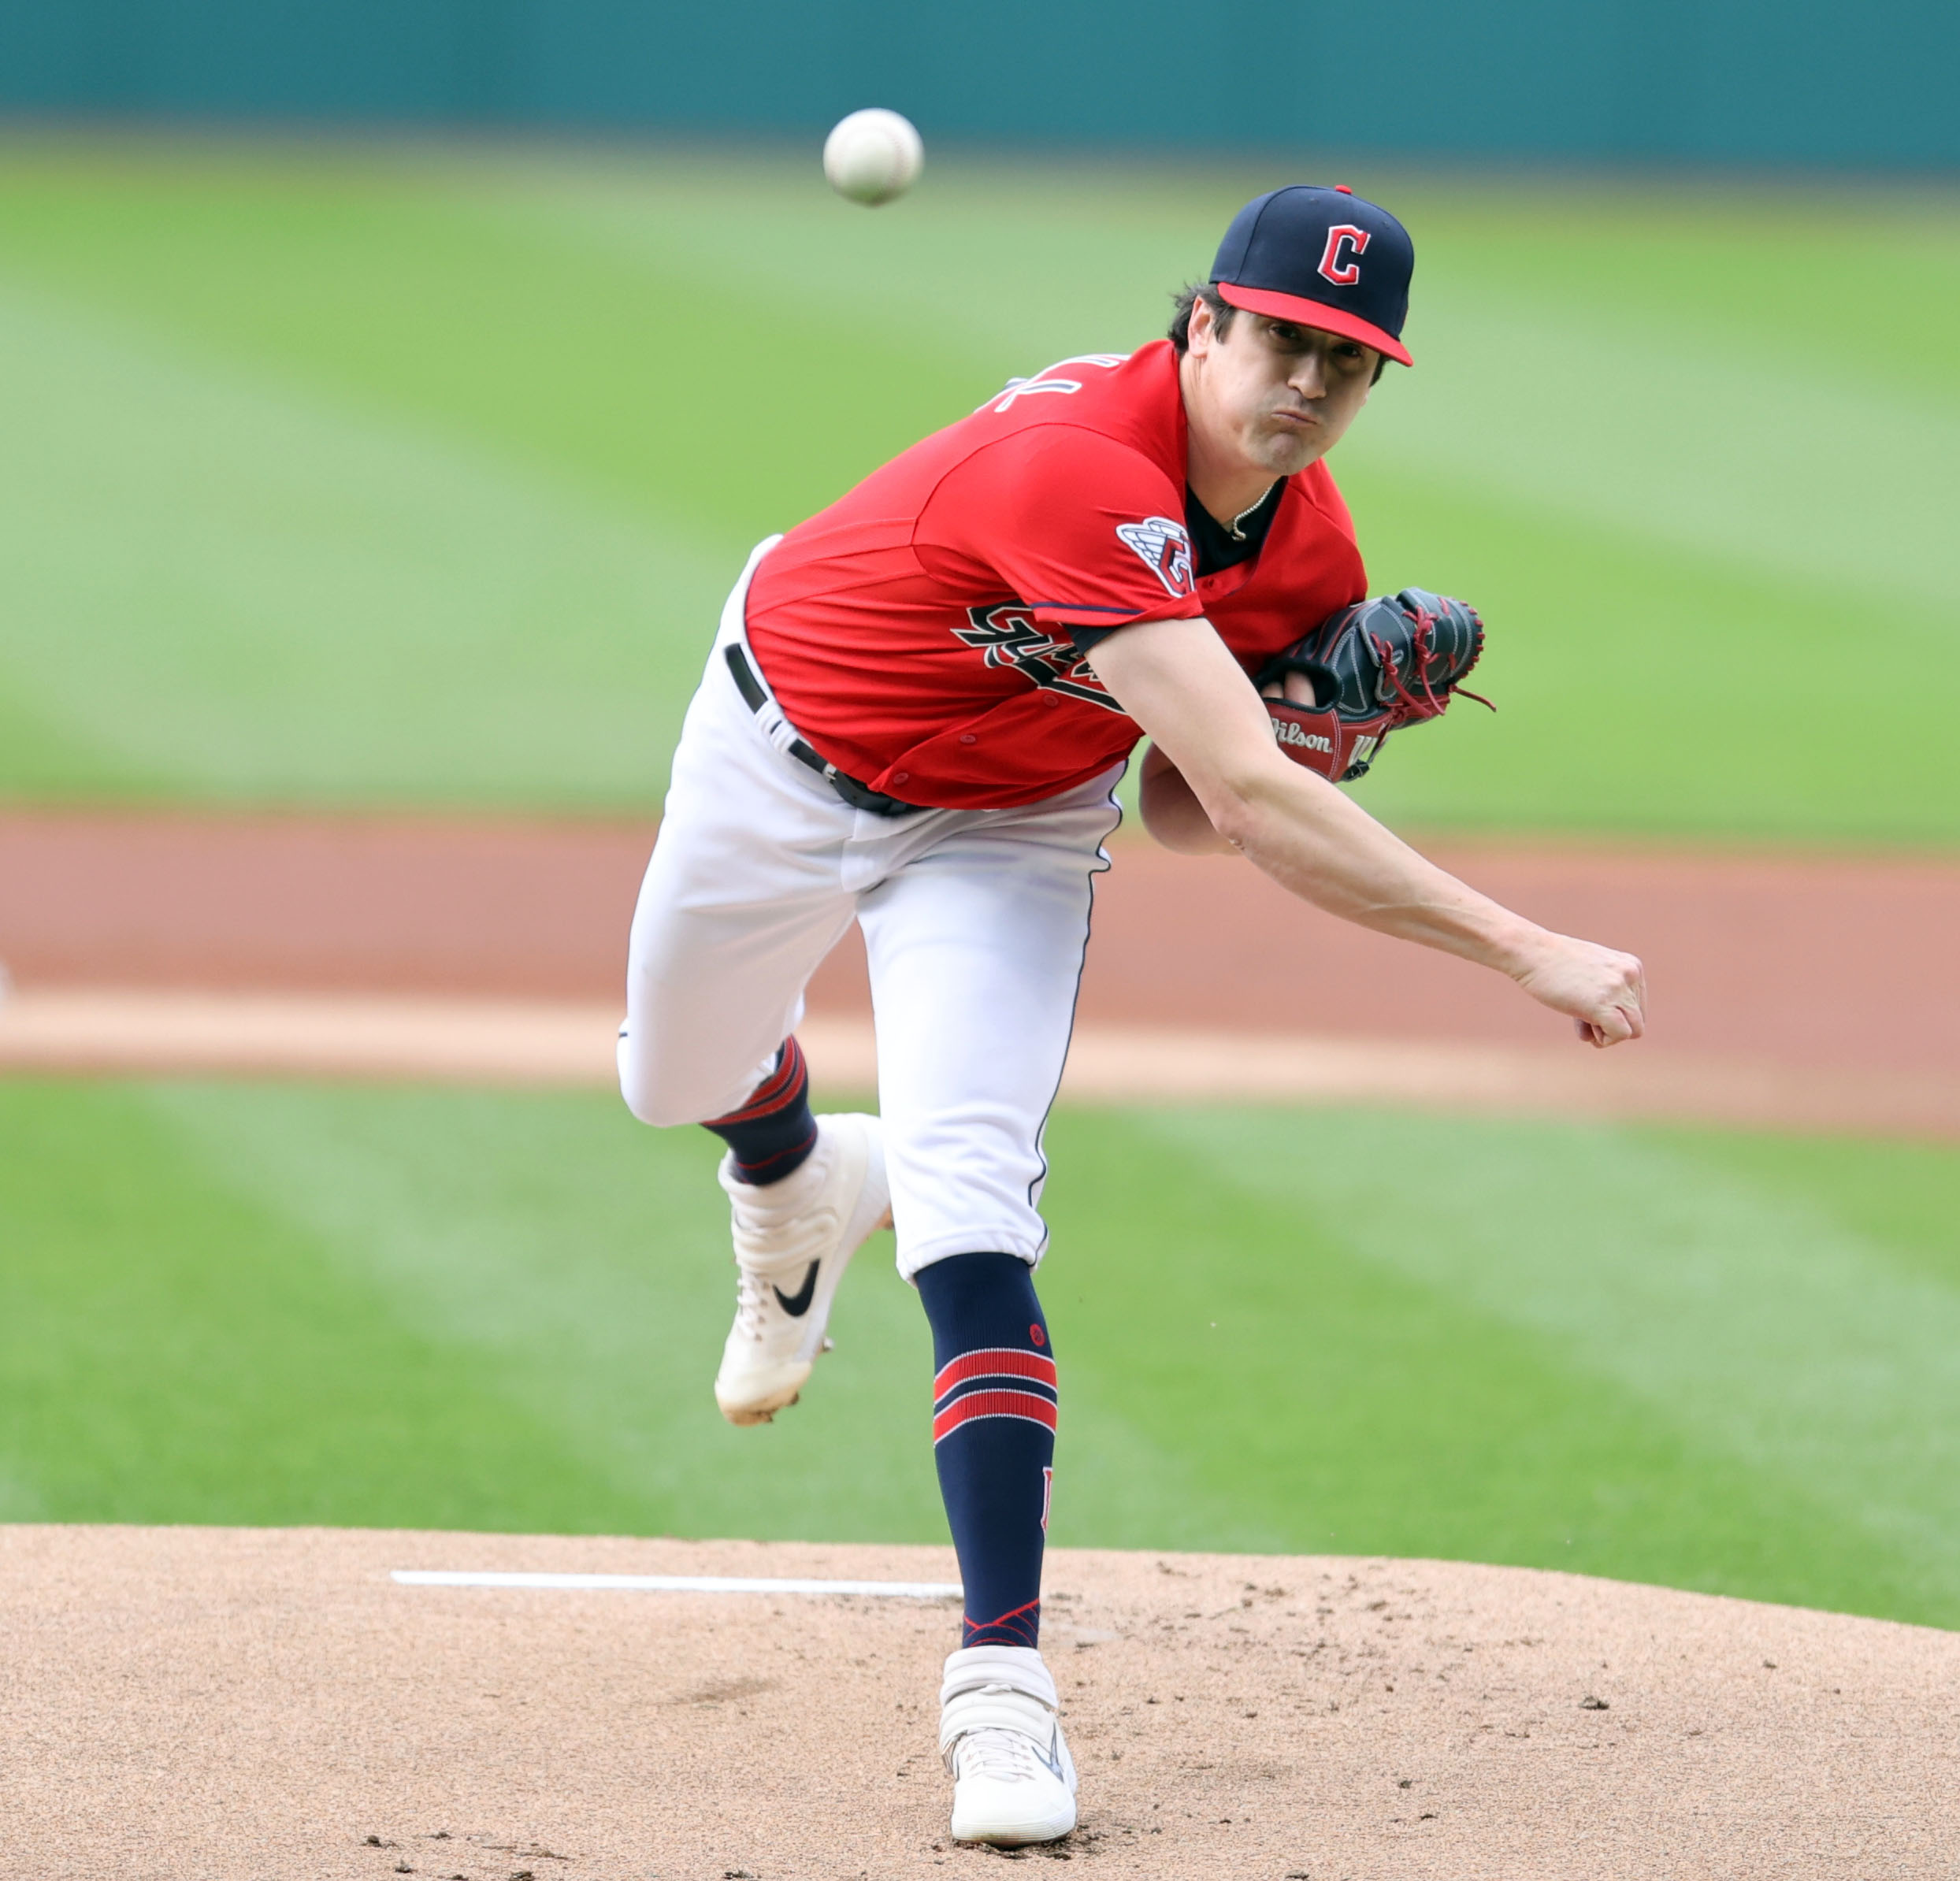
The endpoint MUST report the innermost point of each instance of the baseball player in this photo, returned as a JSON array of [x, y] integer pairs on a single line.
[[913, 716]]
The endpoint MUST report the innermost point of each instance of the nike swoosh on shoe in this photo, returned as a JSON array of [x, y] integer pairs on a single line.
[[797, 1304]]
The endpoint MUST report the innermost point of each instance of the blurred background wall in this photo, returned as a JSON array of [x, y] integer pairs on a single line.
[[1811, 82]]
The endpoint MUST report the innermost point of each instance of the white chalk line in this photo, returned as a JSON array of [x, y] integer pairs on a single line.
[[672, 1583]]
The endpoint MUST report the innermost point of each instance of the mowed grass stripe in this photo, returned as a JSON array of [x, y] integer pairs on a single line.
[[172, 1352], [1279, 1330], [1732, 1313], [1684, 415], [1673, 695], [583, 1261], [395, 293], [281, 611], [1725, 267], [1651, 432], [230, 589], [1357, 1402], [1682, 545]]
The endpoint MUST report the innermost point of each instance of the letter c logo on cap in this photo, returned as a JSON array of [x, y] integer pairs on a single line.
[[1343, 272]]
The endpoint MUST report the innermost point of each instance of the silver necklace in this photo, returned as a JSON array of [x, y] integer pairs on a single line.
[[1238, 528]]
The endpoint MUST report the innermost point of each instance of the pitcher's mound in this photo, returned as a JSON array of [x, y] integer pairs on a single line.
[[192, 1703]]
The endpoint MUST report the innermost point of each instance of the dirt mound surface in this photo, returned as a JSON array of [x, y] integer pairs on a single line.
[[217, 1704]]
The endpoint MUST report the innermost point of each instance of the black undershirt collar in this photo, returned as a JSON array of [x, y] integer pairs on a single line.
[[1214, 544]]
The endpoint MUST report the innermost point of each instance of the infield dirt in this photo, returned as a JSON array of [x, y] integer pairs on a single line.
[[1812, 990], [211, 1705]]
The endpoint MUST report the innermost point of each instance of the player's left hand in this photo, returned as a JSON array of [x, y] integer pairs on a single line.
[[1603, 991], [1396, 660]]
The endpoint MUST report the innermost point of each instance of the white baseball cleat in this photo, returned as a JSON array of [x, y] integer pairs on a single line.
[[1000, 1737], [793, 1240]]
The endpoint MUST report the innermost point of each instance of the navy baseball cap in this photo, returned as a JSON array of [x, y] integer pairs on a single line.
[[1325, 258]]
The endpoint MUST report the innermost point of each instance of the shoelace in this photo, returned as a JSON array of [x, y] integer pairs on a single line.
[[752, 1302], [1003, 1756]]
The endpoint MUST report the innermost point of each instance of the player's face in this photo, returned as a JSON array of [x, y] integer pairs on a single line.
[[1277, 394]]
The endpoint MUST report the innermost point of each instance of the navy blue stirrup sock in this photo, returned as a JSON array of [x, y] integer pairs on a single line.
[[993, 1436], [774, 1132]]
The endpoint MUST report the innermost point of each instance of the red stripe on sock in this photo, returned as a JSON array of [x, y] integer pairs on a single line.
[[789, 1071], [994, 1404], [995, 1361], [778, 1092], [750, 1170], [1020, 1623]]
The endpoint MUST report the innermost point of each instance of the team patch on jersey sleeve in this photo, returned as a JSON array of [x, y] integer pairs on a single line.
[[1164, 548]]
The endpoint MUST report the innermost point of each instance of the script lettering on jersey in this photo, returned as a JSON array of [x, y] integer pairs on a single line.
[[1010, 638], [1333, 264], [1164, 548], [1040, 382]]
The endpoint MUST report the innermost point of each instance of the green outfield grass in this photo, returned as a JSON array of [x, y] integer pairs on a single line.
[[1714, 1361], [353, 475]]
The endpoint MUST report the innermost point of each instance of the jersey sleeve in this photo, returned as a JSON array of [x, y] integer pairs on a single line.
[[1084, 531]]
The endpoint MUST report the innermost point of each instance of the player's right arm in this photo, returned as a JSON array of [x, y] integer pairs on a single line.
[[1177, 681], [1171, 812]]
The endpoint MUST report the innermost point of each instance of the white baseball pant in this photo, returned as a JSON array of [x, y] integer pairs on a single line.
[[974, 921]]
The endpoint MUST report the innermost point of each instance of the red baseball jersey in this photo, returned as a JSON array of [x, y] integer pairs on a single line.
[[917, 631]]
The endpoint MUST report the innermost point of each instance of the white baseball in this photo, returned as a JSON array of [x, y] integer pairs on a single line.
[[873, 156]]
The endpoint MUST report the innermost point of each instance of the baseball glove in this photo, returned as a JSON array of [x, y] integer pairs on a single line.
[[1375, 667]]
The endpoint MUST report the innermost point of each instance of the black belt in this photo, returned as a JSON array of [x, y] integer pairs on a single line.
[[860, 796]]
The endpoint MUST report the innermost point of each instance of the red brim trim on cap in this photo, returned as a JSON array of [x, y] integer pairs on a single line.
[[1313, 313]]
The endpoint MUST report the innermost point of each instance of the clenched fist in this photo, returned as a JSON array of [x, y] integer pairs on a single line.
[[1605, 991]]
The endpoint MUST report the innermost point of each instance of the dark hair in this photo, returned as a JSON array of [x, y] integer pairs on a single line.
[[1187, 299]]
